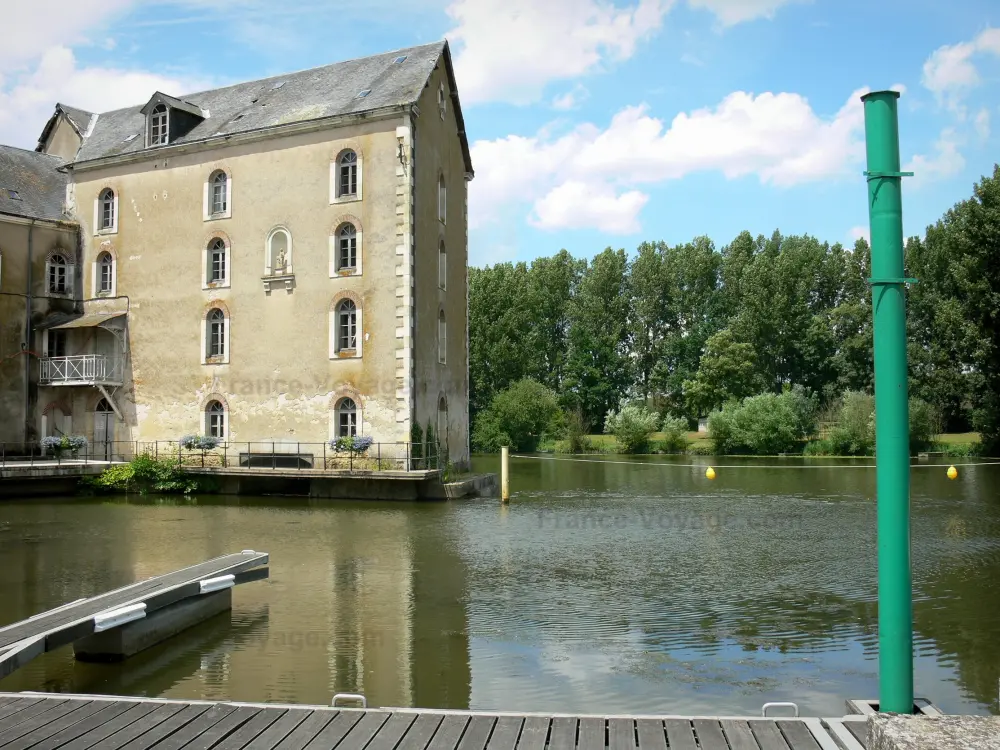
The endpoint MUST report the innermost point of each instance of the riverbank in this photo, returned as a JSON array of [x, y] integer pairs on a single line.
[[951, 445]]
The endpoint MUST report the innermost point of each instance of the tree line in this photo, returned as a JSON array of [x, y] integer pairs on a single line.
[[688, 328]]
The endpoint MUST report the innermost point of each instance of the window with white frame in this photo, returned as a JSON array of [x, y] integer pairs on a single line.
[[347, 248], [215, 419], [346, 413], [217, 259], [216, 334], [106, 209], [442, 200], [347, 326], [347, 174], [57, 271], [158, 125], [442, 339], [442, 266], [105, 273], [218, 193]]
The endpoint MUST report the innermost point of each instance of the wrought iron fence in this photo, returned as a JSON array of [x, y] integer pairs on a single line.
[[13, 455], [88, 368]]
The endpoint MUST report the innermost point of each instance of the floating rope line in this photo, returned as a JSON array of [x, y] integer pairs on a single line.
[[994, 462]]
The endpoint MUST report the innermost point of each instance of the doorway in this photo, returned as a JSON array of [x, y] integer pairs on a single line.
[[104, 430]]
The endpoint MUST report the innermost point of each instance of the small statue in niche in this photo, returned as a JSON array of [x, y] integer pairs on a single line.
[[279, 262]]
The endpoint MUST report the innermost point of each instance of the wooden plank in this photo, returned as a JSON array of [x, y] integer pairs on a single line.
[[652, 736], [249, 731], [505, 733], [710, 735], [477, 733], [680, 734], [448, 733], [46, 724], [105, 728], [621, 734], [13, 704], [364, 731], [797, 735], [859, 729], [768, 735], [215, 733], [303, 734], [420, 732], [193, 728], [534, 733], [739, 735], [187, 715], [158, 715], [334, 732], [277, 732], [562, 735], [591, 733], [26, 711], [391, 732], [107, 713]]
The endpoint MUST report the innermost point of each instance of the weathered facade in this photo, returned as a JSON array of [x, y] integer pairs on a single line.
[[282, 261]]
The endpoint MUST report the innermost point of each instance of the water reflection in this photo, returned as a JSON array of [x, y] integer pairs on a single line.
[[604, 586]]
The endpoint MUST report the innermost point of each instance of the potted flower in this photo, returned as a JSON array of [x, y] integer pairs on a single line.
[[60, 444], [352, 444]]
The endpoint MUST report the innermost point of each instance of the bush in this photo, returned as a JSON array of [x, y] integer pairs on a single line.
[[854, 432], [517, 417], [766, 424], [631, 427], [352, 444], [925, 424], [143, 474], [199, 442], [675, 438], [574, 431]]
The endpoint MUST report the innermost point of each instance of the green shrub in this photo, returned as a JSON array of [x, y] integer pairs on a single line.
[[854, 432], [574, 431], [631, 426], [960, 450], [925, 424], [675, 438], [518, 417], [765, 424], [144, 474]]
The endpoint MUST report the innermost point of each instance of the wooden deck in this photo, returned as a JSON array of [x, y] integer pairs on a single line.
[[22, 641], [61, 722]]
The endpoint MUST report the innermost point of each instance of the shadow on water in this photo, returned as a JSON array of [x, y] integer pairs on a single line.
[[611, 585]]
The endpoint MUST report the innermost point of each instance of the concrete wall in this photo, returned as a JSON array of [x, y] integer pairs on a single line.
[[15, 364], [280, 382], [439, 152], [63, 141]]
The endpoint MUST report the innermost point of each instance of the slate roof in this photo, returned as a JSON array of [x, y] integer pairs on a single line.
[[80, 118], [40, 187], [292, 98]]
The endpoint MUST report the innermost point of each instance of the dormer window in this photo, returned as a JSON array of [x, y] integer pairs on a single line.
[[158, 125]]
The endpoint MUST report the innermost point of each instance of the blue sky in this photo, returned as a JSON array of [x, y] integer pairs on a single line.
[[593, 123]]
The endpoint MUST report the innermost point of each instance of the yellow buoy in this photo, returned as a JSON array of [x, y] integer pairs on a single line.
[[710, 473], [952, 472]]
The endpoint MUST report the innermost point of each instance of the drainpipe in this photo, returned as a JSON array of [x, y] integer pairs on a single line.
[[27, 337], [892, 418]]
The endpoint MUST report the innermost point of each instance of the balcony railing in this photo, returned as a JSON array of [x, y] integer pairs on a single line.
[[80, 369]]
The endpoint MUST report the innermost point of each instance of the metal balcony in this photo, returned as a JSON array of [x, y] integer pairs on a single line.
[[81, 369]]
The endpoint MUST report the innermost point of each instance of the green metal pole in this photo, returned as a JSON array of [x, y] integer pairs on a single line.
[[892, 418]]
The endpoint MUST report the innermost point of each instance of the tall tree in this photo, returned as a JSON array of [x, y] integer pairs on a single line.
[[552, 283]]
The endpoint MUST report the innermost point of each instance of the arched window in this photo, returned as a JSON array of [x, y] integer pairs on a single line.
[[58, 274], [106, 273], [279, 252], [347, 418], [216, 333], [158, 125], [215, 419], [217, 261], [347, 326], [107, 209], [219, 185], [442, 200], [347, 247], [347, 174], [442, 338], [103, 407], [442, 266]]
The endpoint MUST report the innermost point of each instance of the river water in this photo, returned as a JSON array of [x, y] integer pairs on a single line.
[[610, 585]]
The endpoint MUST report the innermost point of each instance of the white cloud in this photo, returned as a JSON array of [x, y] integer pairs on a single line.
[[732, 12], [950, 70], [576, 203], [27, 102], [777, 137], [859, 232], [510, 49], [33, 27], [571, 99], [983, 123], [946, 161]]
